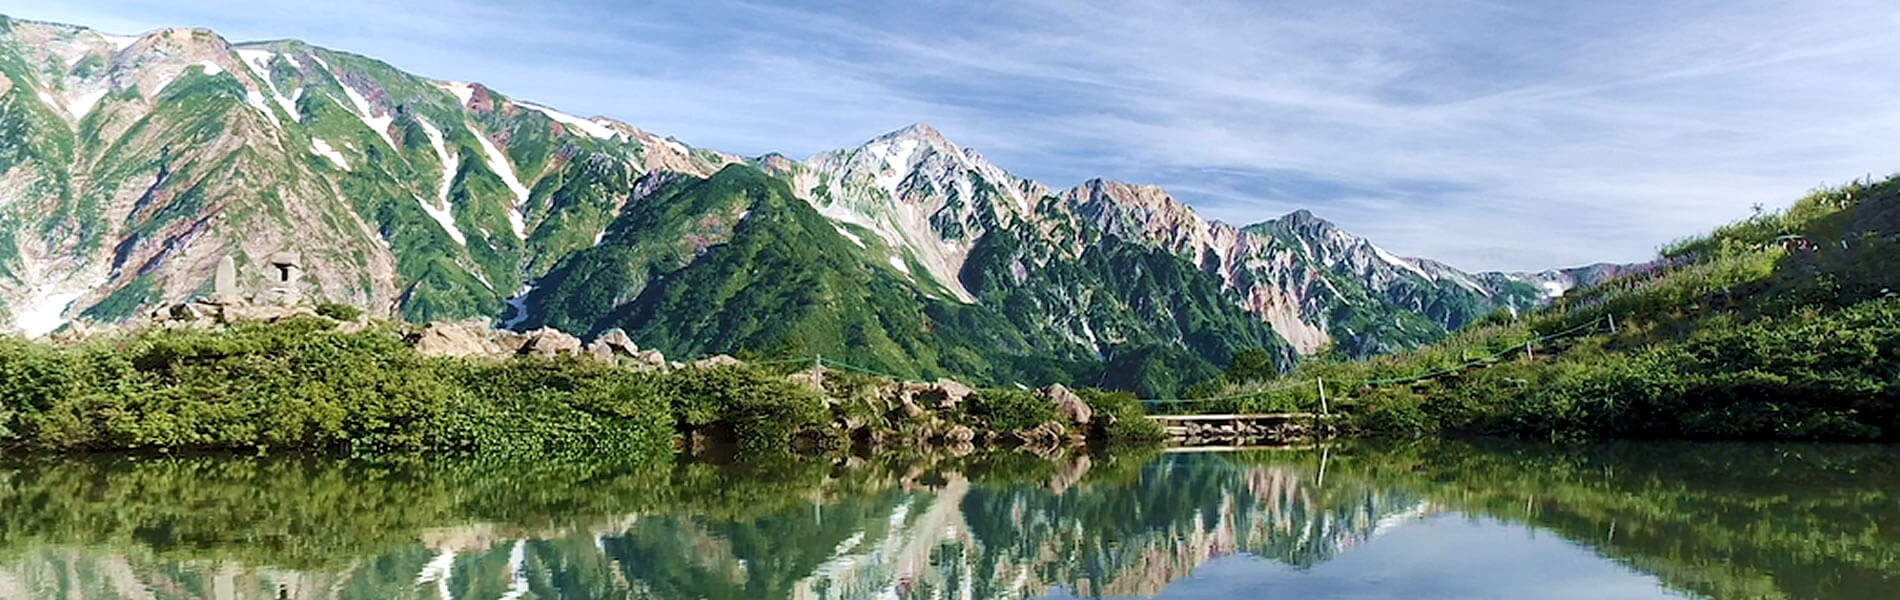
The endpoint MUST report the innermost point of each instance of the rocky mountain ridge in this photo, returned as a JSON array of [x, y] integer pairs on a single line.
[[132, 164]]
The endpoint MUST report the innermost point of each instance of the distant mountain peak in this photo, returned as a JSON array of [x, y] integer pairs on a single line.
[[915, 131]]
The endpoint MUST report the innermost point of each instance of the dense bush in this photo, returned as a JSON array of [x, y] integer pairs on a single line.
[[763, 412], [1011, 410], [339, 310], [302, 385], [1118, 416]]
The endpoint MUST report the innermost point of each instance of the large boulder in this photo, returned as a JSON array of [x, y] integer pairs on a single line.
[[650, 358], [510, 342], [548, 342], [711, 362], [1046, 435], [813, 378], [612, 345], [943, 394], [1069, 407], [198, 311], [461, 338]]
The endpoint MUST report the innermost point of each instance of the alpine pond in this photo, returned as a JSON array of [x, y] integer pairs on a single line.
[[1427, 519]]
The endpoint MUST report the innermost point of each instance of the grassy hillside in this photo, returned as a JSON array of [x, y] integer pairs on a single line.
[[1784, 325], [306, 385]]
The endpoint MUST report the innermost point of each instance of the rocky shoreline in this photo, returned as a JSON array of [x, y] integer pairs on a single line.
[[821, 408]]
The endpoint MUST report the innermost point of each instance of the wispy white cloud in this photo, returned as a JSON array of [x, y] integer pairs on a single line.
[[1486, 134]]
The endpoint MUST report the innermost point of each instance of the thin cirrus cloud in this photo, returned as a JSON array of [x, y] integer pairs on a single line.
[[1490, 135]]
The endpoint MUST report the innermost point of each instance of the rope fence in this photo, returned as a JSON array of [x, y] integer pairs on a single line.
[[1527, 346], [1593, 326]]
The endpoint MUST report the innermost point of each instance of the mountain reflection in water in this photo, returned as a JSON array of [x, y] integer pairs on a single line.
[[1414, 519]]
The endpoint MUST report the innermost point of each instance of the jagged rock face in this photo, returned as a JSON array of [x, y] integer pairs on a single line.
[[133, 164], [923, 196], [1313, 283]]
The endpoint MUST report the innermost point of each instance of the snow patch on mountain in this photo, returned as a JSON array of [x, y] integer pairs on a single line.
[[908, 228], [258, 61], [896, 163], [498, 162], [898, 263], [440, 211], [1554, 290], [211, 68], [44, 310], [837, 211], [848, 235], [323, 149], [364, 111], [83, 103], [585, 126], [257, 101], [464, 93], [1396, 261], [119, 42]]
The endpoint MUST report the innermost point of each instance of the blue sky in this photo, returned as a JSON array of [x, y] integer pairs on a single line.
[[1488, 134]]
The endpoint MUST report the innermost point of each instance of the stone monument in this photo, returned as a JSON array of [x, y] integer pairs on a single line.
[[224, 287], [280, 287]]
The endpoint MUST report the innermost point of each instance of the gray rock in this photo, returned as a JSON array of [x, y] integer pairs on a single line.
[[510, 342], [610, 346], [715, 361], [198, 311], [548, 342], [651, 358], [617, 340], [1069, 407], [813, 378], [942, 394], [461, 339], [948, 393]]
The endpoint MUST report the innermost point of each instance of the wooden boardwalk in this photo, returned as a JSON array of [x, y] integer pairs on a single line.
[[1228, 426]]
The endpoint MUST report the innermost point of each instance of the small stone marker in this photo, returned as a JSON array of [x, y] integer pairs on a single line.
[[224, 283]]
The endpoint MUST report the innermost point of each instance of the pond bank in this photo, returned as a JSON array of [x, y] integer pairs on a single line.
[[309, 383]]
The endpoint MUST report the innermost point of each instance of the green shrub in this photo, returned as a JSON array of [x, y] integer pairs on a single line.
[[339, 311], [1119, 416], [764, 412], [1011, 410]]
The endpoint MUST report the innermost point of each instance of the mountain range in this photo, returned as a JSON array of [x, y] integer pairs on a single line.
[[130, 165]]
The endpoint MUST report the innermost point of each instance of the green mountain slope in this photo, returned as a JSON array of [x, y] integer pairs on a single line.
[[736, 263], [1784, 325], [130, 165]]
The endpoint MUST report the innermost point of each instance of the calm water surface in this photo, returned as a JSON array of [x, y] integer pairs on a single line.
[[1430, 519]]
